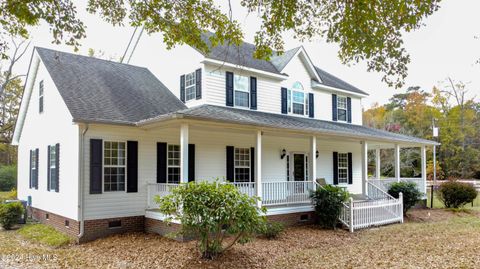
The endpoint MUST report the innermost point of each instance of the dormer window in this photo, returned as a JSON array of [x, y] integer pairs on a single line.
[[190, 89], [342, 108], [297, 100], [241, 91], [40, 97]]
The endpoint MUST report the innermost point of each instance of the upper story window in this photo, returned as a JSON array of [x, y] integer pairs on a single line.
[[242, 165], [40, 96], [242, 91], [52, 167], [342, 108], [114, 166], [342, 168], [173, 164], [297, 100], [190, 87]]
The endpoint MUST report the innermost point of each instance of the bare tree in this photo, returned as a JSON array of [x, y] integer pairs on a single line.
[[19, 49]]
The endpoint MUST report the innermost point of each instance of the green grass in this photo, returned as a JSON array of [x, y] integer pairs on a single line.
[[3, 195], [44, 234], [438, 204]]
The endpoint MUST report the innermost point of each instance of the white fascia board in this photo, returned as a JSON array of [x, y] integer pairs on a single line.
[[316, 85], [306, 60], [253, 70]]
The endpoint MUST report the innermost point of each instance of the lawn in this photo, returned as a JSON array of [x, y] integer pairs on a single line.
[[3, 195], [430, 238], [438, 204]]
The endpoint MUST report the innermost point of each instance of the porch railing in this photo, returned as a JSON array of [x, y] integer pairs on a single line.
[[160, 189], [385, 183]]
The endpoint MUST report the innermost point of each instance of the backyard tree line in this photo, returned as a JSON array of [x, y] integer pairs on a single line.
[[450, 107]]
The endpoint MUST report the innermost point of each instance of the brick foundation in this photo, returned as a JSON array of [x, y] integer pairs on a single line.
[[98, 228], [162, 228], [293, 219], [56, 221]]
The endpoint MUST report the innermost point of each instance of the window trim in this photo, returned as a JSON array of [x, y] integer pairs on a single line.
[[33, 167], [235, 166], [248, 91], [41, 98], [103, 166], [50, 166], [192, 86], [290, 101], [174, 166], [339, 108], [342, 167]]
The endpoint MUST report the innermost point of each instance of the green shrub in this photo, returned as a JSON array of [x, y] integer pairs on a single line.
[[10, 214], [44, 234], [328, 204], [8, 177], [272, 230], [456, 194], [213, 212], [410, 193]]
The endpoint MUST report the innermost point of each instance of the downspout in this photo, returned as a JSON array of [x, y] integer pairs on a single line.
[[81, 180]]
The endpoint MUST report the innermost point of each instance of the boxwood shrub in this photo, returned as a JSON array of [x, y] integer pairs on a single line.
[[455, 194]]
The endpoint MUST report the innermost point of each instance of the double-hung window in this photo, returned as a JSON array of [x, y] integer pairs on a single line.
[[33, 169], [242, 165], [114, 166], [52, 167], [173, 164], [190, 87], [342, 168], [342, 108], [242, 91], [297, 100], [40, 97]]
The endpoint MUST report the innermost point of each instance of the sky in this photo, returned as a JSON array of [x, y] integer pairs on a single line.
[[445, 47]]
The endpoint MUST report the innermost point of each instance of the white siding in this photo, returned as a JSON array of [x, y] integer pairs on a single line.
[[52, 126], [210, 161]]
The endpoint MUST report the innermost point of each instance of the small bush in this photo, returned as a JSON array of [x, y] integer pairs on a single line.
[[8, 177], [272, 230], [328, 204], [44, 234], [410, 193], [10, 214], [454, 194]]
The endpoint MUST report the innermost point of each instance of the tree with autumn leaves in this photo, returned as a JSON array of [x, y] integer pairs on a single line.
[[413, 112]]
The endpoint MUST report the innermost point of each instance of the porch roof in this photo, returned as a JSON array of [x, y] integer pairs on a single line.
[[286, 122]]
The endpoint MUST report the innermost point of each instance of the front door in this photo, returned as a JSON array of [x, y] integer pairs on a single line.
[[299, 169]]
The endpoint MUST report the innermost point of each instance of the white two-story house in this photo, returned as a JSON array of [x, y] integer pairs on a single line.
[[99, 139]]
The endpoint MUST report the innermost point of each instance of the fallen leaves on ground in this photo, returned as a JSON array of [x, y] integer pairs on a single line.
[[429, 238]]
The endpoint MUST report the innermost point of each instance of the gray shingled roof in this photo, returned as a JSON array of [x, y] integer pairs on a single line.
[[281, 60], [96, 90], [332, 81], [279, 121]]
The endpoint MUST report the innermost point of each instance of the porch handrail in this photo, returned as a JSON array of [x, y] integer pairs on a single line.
[[376, 192]]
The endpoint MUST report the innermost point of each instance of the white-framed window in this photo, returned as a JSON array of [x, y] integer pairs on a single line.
[[342, 108], [190, 87], [34, 168], [343, 168], [242, 165], [114, 166], [297, 100], [173, 164], [40, 97], [241, 86], [52, 167]]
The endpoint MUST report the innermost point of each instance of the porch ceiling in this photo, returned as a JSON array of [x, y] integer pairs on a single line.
[[289, 123]]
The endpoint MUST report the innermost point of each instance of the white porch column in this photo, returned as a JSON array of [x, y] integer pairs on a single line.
[[377, 164], [313, 159], [397, 162], [423, 155], [364, 167], [258, 166], [184, 153]]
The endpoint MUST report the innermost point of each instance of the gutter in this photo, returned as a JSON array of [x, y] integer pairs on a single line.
[[81, 181]]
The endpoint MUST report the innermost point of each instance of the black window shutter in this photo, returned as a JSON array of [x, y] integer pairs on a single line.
[[198, 83], [334, 107], [161, 162], [48, 169], [132, 166], [230, 164], [252, 164], [57, 167], [335, 168], [96, 155], [182, 88], [191, 162], [228, 88], [311, 108], [349, 109], [253, 93], [284, 100], [350, 172], [36, 171], [31, 176]]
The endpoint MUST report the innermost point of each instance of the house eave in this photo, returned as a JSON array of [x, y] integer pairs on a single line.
[[316, 85], [253, 70]]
